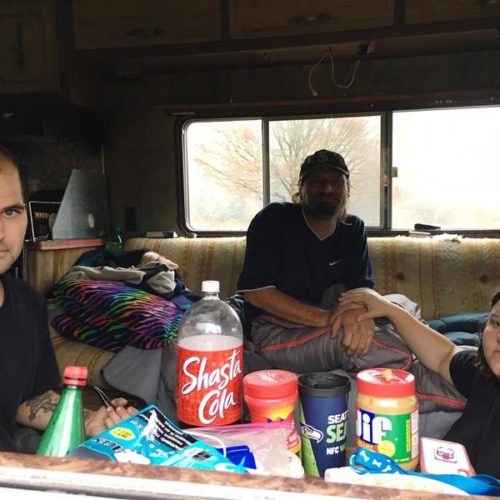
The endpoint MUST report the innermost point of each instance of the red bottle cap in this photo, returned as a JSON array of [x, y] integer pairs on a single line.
[[270, 383], [386, 382], [75, 375]]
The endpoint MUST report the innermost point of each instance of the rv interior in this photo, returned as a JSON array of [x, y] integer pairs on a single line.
[[110, 98]]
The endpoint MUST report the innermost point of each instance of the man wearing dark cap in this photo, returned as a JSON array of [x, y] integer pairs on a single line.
[[299, 257]]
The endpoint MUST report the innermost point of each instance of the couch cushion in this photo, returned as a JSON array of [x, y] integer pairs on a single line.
[[445, 274]]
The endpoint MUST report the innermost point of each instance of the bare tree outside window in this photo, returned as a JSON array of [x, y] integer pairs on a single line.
[[356, 138], [225, 174]]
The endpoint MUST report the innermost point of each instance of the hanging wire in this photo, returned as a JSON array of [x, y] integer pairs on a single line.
[[311, 71], [347, 85], [334, 80]]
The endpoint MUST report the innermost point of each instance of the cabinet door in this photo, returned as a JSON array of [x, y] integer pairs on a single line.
[[264, 18], [28, 53], [428, 11], [127, 23]]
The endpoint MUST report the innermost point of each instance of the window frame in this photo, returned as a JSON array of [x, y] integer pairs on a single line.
[[183, 124], [385, 161]]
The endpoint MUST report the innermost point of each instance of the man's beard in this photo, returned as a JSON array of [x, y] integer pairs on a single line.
[[324, 210]]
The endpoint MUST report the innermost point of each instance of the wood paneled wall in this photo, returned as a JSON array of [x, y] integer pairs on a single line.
[[47, 265]]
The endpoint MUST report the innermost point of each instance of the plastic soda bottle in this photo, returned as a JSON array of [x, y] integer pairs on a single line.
[[209, 362], [66, 428]]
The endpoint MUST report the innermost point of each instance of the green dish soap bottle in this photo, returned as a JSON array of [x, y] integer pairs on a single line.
[[114, 243], [66, 428]]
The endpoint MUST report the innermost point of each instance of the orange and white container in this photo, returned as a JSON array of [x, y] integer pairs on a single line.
[[271, 396]]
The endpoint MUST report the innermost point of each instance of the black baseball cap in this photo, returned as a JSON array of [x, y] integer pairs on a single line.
[[324, 158]]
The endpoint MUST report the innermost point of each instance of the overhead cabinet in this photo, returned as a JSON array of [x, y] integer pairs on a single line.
[[37, 57], [430, 11], [28, 51], [264, 18], [231, 25], [127, 23]]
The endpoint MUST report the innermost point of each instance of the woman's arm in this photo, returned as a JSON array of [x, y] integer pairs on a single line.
[[432, 348]]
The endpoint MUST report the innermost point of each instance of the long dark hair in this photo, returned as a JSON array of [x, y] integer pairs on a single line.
[[482, 363]]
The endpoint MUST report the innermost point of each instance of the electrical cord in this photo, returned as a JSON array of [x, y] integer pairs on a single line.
[[328, 53]]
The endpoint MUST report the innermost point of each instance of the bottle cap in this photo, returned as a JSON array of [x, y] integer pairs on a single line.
[[75, 375], [270, 383], [386, 382], [323, 385], [210, 286]]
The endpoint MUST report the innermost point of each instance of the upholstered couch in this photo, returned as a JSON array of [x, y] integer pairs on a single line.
[[444, 274]]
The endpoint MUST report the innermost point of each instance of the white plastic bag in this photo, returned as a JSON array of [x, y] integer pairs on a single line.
[[266, 441]]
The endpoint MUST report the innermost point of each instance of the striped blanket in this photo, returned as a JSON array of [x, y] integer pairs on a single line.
[[111, 314]]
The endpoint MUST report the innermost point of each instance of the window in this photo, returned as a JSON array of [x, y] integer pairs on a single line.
[[447, 163], [223, 174], [235, 167], [444, 166]]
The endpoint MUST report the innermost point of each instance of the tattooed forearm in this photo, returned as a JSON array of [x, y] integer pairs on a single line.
[[46, 402]]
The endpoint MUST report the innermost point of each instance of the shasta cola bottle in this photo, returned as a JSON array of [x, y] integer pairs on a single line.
[[209, 362], [66, 428]]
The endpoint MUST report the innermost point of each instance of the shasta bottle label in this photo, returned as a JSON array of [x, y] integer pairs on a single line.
[[209, 386]]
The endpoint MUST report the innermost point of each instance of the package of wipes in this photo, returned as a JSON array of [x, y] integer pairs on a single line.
[[149, 437]]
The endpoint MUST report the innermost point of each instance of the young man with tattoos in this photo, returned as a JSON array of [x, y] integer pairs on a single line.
[[28, 368]]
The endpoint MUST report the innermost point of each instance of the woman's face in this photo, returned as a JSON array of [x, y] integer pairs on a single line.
[[491, 340]]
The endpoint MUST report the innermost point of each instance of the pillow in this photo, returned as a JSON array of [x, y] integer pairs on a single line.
[[464, 338], [461, 328], [461, 322], [111, 314]]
